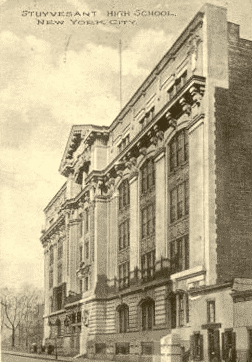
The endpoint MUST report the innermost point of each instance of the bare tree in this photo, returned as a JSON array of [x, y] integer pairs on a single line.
[[18, 308]]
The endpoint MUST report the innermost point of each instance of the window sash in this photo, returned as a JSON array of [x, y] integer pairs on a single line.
[[124, 235], [124, 194], [60, 273], [124, 271], [60, 250], [51, 257], [148, 175], [179, 201], [86, 284], [148, 265], [123, 319], [81, 253], [148, 221], [179, 149], [180, 254], [211, 311], [50, 278], [87, 249], [148, 315], [86, 220]]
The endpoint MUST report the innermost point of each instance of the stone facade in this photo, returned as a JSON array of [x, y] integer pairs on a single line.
[[153, 222]]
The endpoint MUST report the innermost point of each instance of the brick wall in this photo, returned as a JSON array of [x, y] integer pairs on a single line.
[[233, 109]]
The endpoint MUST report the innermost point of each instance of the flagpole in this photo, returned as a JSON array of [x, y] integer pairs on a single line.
[[120, 71]]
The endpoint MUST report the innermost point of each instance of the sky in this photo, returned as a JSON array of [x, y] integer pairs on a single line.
[[65, 72]]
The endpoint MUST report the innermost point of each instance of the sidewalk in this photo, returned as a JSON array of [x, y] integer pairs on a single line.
[[42, 356], [52, 357]]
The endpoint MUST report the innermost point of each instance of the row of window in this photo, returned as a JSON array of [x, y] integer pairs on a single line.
[[60, 279], [123, 144], [179, 254], [179, 83], [148, 262], [59, 275], [147, 226], [148, 117], [147, 183], [147, 316], [196, 351]]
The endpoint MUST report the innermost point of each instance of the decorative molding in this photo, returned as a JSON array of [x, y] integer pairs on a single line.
[[186, 107]]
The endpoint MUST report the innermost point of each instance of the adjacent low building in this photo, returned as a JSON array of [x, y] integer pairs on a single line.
[[144, 240]]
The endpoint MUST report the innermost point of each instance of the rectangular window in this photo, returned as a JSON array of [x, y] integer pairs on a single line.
[[148, 221], [123, 271], [179, 149], [179, 201], [86, 284], [50, 279], [197, 346], [124, 235], [184, 78], [60, 249], [148, 266], [173, 200], [80, 286], [211, 311], [86, 220], [81, 228], [186, 147], [179, 251], [173, 162], [81, 253], [59, 273], [171, 93], [59, 299], [124, 194], [186, 193], [87, 249], [122, 348], [186, 251], [181, 310], [147, 176], [51, 256]]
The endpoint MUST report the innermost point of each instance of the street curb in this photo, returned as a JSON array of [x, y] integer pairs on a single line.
[[20, 354]]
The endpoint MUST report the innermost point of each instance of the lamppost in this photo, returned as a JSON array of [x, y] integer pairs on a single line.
[[53, 325]]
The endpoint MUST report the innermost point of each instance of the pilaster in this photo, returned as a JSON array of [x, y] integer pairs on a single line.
[[73, 246], [196, 193], [134, 223], [160, 205]]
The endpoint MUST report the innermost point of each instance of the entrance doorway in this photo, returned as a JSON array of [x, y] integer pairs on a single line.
[[214, 345]]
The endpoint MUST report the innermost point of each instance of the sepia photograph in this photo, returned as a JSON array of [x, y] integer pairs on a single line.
[[126, 180]]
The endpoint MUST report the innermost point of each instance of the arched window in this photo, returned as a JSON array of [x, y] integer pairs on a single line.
[[123, 318], [147, 175], [124, 194], [148, 314], [179, 149]]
